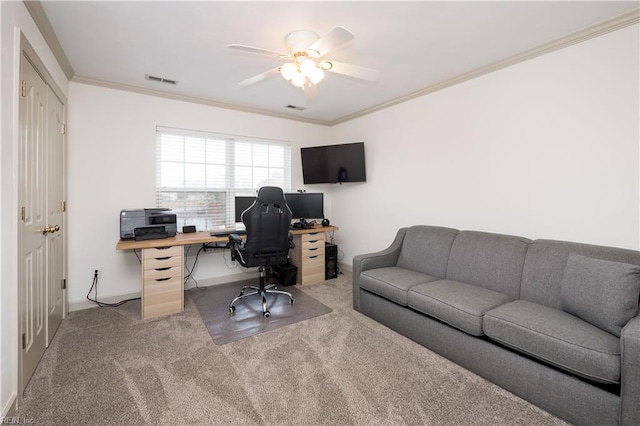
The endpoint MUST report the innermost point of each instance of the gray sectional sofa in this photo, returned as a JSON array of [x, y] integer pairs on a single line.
[[554, 322]]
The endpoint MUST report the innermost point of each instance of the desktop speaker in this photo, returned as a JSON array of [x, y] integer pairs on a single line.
[[330, 261], [325, 222]]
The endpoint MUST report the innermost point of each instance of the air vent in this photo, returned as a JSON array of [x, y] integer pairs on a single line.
[[160, 79], [297, 108]]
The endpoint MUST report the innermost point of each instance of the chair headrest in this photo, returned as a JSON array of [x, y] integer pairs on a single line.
[[270, 194]]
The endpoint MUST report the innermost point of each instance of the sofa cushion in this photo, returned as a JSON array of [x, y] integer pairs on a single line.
[[458, 304], [603, 293], [545, 265], [556, 337], [392, 282], [426, 249], [492, 261]]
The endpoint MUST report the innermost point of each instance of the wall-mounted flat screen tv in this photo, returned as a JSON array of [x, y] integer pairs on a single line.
[[334, 163]]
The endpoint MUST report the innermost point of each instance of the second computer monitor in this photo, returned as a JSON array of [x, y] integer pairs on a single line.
[[305, 205], [241, 204]]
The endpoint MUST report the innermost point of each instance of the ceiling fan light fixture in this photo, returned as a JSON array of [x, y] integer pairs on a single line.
[[298, 79], [316, 75], [288, 70], [307, 67]]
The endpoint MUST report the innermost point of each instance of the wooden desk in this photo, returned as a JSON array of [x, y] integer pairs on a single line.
[[163, 265], [202, 237]]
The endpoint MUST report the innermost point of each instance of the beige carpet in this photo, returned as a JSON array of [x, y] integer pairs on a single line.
[[106, 366]]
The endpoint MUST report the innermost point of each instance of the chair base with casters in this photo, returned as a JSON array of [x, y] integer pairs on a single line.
[[261, 291]]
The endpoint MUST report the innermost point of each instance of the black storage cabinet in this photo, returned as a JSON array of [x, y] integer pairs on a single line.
[[285, 274]]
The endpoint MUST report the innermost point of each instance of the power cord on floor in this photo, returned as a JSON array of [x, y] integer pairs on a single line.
[[94, 284], [193, 268], [203, 248]]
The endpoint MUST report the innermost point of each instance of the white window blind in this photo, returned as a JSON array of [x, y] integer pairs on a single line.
[[199, 174]]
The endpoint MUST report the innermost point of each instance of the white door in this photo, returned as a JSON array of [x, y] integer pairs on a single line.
[[55, 213], [32, 260]]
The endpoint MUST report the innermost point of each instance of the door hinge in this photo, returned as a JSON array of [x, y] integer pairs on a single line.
[[63, 206], [63, 129], [64, 283], [23, 89], [24, 340], [23, 214]]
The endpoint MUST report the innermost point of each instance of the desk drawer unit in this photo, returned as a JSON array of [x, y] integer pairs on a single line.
[[162, 284], [308, 256]]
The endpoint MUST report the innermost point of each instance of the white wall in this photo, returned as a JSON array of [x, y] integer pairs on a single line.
[[14, 19], [111, 153], [548, 148]]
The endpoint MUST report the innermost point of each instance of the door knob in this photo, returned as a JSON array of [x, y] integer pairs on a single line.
[[44, 230], [48, 229]]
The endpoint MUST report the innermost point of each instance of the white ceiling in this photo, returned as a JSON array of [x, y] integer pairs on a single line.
[[415, 45]]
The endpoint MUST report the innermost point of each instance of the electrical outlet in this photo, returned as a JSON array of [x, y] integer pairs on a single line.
[[93, 272]]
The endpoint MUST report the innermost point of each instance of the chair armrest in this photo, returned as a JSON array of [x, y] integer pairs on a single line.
[[235, 239], [630, 373], [381, 259], [236, 244]]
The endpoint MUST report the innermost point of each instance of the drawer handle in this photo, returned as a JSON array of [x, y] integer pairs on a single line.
[[163, 269], [313, 257], [164, 248], [163, 279], [312, 249], [163, 258]]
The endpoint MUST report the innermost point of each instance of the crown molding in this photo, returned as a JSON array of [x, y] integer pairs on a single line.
[[619, 22], [191, 99], [42, 22]]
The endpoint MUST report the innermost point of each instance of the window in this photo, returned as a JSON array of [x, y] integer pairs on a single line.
[[199, 174]]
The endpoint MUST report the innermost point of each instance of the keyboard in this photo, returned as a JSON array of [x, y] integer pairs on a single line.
[[225, 232]]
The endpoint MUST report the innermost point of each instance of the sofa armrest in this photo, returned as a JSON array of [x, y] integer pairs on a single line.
[[381, 259], [630, 373]]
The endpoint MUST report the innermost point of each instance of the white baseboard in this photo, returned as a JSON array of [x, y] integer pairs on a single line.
[[9, 410], [206, 282], [80, 305], [86, 304], [346, 267]]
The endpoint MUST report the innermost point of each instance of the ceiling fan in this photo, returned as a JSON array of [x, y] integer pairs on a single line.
[[306, 63]]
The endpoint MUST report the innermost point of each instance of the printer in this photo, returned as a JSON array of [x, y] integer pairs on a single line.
[[147, 224]]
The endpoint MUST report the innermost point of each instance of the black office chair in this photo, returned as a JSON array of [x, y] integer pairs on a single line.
[[267, 244]]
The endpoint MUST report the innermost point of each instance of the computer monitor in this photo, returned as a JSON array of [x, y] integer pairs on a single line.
[[241, 204], [305, 205]]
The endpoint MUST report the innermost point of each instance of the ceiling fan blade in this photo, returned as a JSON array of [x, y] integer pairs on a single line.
[[355, 71], [257, 50], [260, 77], [310, 92], [332, 40]]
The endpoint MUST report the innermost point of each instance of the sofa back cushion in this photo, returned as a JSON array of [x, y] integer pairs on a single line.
[[426, 249], [545, 265], [603, 293], [493, 261]]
